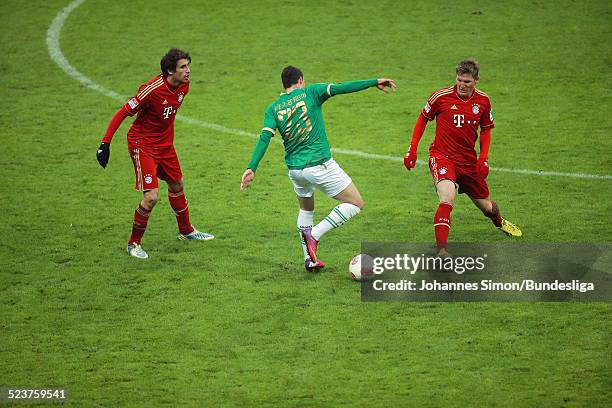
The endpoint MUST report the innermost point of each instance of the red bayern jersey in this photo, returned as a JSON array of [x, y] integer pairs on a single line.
[[156, 104], [457, 122]]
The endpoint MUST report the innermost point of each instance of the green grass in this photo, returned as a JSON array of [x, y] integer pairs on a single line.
[[236, 321]]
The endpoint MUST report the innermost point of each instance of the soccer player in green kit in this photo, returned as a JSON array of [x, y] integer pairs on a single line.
[[298, 117]]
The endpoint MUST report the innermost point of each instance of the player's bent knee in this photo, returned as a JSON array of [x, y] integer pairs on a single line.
[[176, 186], [151, 202], [150, 198], [446, 191], [447, 196]]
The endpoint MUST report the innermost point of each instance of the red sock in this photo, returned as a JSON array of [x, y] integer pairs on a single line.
[[141, 218], [495, 216], [178, 202], [442, 224]]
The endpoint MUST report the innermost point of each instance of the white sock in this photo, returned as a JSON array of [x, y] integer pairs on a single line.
[[337, 217], [305, 220]]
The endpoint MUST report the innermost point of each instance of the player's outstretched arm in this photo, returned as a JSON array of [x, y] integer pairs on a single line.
[[356, 86], [247, 178], [103, 152], [384, 84], [410, 158]]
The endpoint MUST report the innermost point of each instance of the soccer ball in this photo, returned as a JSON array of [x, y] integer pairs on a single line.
[[361, 267]]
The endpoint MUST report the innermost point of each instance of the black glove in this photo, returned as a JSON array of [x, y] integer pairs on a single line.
[[103, 154]]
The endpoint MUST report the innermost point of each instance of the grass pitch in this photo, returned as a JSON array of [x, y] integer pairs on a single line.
[[236, 321]]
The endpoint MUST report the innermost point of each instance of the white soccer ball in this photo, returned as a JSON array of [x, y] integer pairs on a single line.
[[361, 267]]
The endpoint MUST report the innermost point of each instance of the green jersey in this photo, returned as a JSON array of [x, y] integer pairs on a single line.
[[298, 117]]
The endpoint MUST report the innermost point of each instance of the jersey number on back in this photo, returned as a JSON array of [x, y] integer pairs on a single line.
[[299, 114]]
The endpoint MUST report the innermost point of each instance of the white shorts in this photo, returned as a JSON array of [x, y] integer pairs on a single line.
[[327, 177]]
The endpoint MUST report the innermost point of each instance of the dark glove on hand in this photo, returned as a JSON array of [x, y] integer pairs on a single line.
[[103, 154]]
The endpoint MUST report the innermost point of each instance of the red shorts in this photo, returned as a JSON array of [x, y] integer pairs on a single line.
[[465, 176], [152, 164]]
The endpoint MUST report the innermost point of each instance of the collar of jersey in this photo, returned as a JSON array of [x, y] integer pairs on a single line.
[[464, 100], [169, 86], [287, 93]]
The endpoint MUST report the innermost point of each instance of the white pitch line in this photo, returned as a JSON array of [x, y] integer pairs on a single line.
[[53, 45]]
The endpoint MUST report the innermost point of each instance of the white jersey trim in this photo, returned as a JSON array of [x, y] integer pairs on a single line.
[[139, 177]]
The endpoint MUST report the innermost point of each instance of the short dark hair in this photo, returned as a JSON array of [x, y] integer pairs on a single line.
[[468, 66], [172, 57], [291, 76]]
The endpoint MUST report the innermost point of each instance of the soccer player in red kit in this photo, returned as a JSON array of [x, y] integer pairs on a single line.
[[151, 146], [459, 111]]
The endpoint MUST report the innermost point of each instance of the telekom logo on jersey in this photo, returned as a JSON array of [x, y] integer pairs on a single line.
[[167, 112], [458, 120]]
